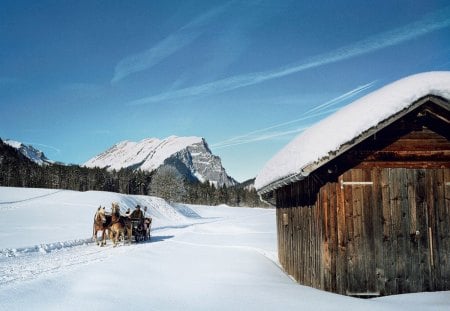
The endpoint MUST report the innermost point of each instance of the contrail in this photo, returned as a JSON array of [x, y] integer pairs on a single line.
[[264, 137], [312, 113], [166, 47], [249, 137], [342, 97], [430, 22]]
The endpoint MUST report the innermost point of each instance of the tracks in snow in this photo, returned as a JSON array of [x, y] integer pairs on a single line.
[[34, 265], [24, 264], [28, 263], [32, 198]]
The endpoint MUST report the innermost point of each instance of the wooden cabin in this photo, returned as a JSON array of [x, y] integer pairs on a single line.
[[371, 217]]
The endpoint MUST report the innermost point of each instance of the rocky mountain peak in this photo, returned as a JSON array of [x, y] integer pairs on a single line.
[[190, 155]]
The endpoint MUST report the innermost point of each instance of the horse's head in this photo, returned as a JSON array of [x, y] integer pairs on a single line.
[[100, 215], [115, 209]]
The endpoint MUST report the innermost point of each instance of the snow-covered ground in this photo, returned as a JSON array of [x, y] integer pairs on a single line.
[[199, 258]]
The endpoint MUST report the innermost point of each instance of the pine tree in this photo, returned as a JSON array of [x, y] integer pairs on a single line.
[[168, 184]]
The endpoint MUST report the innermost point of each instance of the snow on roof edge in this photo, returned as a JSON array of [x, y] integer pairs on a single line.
[[328, 135]]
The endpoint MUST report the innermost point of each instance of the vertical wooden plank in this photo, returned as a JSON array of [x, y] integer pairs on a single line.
[[431, 230], [311, 249], [301, 265], [413, 259], [395, 223], [319, 242], [359, 250], [307, 248], [316, 250], [377, 221], [388, 264], [319, 248], [404, 253], [439, 205], [285, 230], [396, 200], [291, 225], [324, 208], [445, 254], [333, 242], [368, 233], [302, 239], [422, 228], [294, 237], [341, 263], [350, 247], [436, 193]]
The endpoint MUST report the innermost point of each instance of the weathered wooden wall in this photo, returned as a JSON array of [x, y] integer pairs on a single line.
[[299, 232], [388, 237], [381, 224]]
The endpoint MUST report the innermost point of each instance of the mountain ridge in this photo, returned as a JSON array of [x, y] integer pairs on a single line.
[[30, 152], [191, 153]]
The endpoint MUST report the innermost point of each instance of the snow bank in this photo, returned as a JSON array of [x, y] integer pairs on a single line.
[[349, 122], [44, 220]]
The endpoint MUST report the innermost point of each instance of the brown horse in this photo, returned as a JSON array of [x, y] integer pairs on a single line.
[[102, 223], [119, 225]]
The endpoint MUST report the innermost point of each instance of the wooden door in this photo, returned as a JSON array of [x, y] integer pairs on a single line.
[[397, 236], [418, 223], [360, 251]]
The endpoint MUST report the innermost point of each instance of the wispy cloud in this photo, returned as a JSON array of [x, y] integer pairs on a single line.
[[299, 123], [166, 47], [429, 23], [57, 150]]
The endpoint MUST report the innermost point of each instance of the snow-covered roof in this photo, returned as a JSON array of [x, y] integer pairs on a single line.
[[329, 135]]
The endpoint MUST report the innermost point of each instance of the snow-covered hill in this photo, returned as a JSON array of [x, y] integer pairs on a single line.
[[199, 258], [29, 151], [192, 153]]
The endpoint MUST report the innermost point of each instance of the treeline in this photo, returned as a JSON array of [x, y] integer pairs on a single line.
[[17, 170]]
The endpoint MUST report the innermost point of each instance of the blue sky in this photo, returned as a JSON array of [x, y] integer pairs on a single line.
[[77, 77]]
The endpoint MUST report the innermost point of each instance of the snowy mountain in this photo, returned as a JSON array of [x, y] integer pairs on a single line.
[[190, 155], [30, 152]]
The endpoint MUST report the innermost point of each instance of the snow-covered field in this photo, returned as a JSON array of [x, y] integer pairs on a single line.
[[199, 258]]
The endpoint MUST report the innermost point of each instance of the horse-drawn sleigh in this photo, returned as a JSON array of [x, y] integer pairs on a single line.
[[121, 227]]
